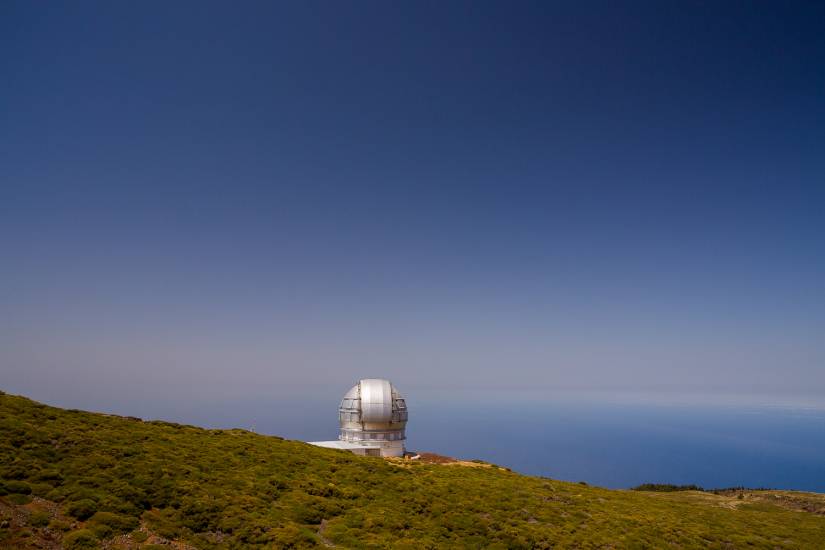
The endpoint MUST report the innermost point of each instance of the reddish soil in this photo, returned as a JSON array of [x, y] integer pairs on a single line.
[[433, 458]]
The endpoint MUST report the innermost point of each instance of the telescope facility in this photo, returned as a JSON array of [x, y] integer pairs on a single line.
[[372, 417]]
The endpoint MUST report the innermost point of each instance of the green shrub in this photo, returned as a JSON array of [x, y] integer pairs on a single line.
[[17, 471], [201, 516], [54, 495], [291, 536], [167, 529], [80, 540], [81, 509], [79, 493], [140, 536], [313, 510], [115, 522], [39, 519], [49, 475], [18, 487], [102, 532], [41, 489], [19, 499], [59, 525], [666, 487]]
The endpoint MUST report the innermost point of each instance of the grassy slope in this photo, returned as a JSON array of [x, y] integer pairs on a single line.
[[219, 488]]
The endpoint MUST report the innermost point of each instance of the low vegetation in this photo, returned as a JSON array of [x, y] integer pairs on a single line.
[[666, 487], [74, 479]]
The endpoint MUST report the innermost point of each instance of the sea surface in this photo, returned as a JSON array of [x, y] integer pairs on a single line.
[[615, 441], [623, 445]]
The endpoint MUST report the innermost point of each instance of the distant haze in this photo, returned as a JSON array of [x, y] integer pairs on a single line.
[[210, 201]]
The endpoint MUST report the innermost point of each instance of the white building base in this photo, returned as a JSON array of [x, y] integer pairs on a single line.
[[382, 448]]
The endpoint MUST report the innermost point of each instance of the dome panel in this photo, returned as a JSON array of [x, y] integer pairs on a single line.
[[376, 400]]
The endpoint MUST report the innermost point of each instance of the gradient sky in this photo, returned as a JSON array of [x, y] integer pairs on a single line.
[[232, 200]]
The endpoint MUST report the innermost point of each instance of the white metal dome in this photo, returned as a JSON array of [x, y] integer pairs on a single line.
[[373, 413]]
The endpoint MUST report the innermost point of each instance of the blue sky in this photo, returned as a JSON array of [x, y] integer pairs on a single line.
[[235, 200]]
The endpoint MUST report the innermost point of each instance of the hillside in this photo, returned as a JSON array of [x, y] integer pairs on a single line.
[[83, 480]]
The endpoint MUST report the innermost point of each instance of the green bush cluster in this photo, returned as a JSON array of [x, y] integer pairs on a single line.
[[107, 524], [17, 487], [81, 509], [39, 519], [236, 489], [16, 498], [666, 487], [80, 539]]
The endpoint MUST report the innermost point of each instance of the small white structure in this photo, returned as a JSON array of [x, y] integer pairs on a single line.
[[362, 450], [373, 417]]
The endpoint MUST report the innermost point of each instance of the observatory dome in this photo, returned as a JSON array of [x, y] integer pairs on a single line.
[[374, 414]]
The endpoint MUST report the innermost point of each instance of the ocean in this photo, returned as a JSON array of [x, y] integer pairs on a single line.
[[623, 445]]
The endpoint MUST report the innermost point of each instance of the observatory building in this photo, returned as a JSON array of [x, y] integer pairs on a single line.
[[372, 417]]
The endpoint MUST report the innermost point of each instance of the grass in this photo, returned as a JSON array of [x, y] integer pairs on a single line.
[[82, 480]]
